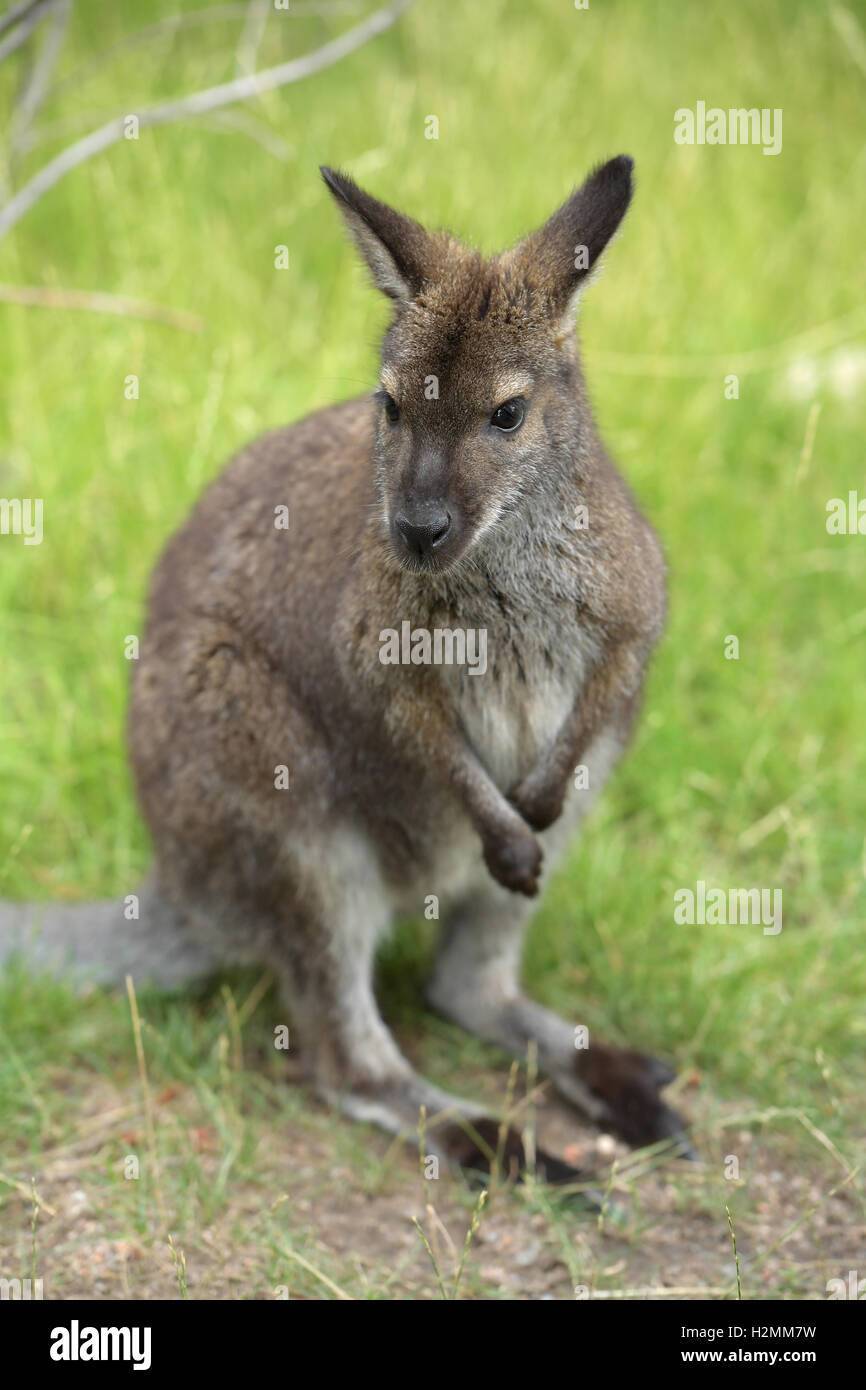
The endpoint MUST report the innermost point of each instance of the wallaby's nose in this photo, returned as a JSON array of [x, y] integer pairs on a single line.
[[427, 528]]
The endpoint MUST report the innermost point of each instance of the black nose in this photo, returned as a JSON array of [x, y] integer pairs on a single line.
[[427, 528]]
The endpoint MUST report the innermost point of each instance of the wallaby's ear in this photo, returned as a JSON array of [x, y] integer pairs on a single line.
[[562, 253], [398, 251]]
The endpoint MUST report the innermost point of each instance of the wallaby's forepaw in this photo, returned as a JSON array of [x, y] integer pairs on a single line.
[[514, 860], [539, 805], [479, 1148], [628, 1085]]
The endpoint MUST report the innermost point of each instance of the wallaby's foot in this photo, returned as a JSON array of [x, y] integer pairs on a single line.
[[474, 984], [483, 1146], [514, 858], [617, 1089], [454, 1130], [626, 1088]]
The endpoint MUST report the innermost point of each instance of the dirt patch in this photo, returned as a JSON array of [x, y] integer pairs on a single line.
[[313, 1207]]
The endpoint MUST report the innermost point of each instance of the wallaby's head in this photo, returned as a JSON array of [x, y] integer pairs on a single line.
[[477, 400]]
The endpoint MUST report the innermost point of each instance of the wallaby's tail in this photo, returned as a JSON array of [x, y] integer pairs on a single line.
[[101, 943]]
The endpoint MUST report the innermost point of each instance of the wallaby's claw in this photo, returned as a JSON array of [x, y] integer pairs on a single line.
[[481, 1148], [539, 807], [629, 1085], [515, 862]]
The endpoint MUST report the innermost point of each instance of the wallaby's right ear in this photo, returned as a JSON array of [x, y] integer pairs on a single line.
[[398, 251], [564, 251]]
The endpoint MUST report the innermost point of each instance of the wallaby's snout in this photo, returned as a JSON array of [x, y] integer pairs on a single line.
[[424, 530], [478, 379]]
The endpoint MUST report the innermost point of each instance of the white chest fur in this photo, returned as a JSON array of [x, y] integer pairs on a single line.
[[513, 711]]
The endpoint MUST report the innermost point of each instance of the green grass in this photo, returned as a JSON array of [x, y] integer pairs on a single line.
[[744, 772]]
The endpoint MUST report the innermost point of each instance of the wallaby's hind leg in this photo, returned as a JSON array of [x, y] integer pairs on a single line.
[[348, 1053], [475, 982]]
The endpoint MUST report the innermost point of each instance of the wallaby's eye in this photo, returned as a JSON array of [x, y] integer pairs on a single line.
[[509, 415], [392, 410]]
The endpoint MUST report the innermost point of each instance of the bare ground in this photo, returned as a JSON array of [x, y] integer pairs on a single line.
[[315, 1208]]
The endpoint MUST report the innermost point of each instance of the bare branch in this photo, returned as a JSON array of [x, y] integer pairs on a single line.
[[255, 23], [241, 89], [67, 125], [172, 25], [248, 124], [17, 13], [29, 17], [34, 92], [95, 301]]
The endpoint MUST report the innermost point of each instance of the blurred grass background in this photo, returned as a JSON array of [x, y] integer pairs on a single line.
[[744, 772]]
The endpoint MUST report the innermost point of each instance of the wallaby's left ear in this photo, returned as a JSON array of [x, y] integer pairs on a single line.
[[562, 253], [399, 252]]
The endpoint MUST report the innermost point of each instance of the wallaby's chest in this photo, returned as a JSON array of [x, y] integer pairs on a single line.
[[534, 675]]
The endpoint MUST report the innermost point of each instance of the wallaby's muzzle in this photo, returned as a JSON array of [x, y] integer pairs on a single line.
[[422, 529]]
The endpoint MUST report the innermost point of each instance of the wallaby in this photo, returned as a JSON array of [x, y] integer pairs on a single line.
[[310, 771]]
